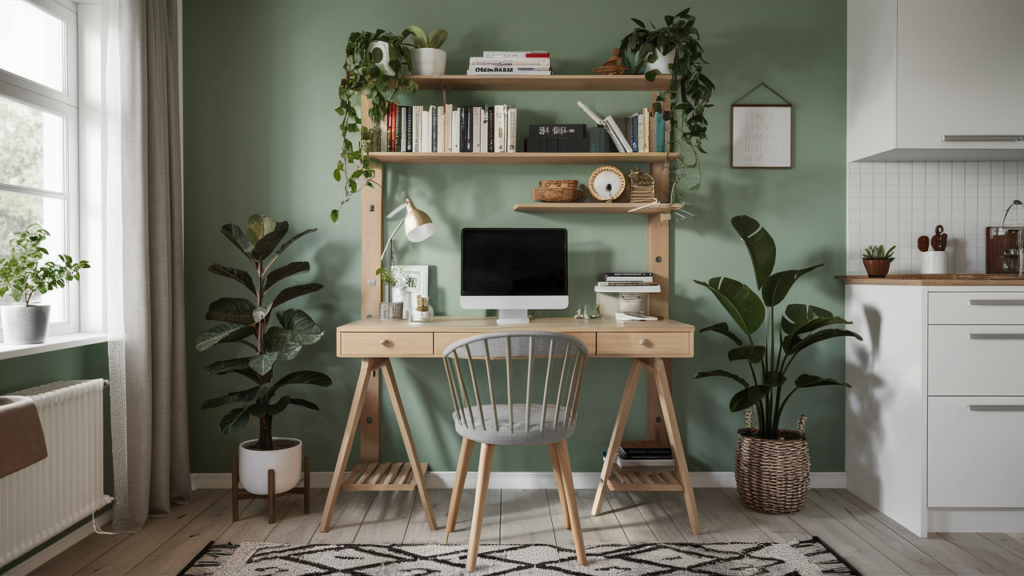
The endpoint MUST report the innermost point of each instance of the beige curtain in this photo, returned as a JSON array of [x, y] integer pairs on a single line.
[[145, 293]]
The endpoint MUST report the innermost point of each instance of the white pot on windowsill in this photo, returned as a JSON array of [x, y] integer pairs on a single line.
[[25, 324], [253, 466]]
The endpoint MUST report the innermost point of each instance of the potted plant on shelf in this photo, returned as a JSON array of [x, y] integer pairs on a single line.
[[772, 464], [375, 67], [242, 319], [877, 261], [24, 275], [393, 282], [675, 49], [427, 57]]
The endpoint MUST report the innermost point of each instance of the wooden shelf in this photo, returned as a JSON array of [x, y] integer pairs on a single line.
[[642, 481], [592, 208], [378, 477], [520, 158], [585, 82]]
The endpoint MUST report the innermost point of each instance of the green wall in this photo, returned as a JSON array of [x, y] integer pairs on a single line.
[[260, 135]]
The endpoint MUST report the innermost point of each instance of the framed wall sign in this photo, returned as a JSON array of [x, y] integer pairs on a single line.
[[418, 285], [762, 134]]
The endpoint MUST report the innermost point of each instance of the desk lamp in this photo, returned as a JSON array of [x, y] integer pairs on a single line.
[[418, 227]]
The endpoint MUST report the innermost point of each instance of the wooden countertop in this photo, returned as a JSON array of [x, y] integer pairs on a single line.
[[937, 280], [490, 324]]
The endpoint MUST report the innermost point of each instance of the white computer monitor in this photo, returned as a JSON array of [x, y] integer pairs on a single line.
[[514, 270]]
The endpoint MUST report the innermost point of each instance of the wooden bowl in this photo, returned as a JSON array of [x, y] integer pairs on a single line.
[[557, 194], [572, 184]]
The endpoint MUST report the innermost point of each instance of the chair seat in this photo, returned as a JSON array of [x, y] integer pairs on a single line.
[[503, 435]]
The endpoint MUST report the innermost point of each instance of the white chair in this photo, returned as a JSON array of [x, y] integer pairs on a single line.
[[533, 419]]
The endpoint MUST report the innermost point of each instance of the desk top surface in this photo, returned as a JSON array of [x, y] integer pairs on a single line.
[[490, 324]]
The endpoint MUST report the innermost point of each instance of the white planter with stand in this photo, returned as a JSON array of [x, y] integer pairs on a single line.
[[254, 464], [428, 61], [25, 324], [662, 63]]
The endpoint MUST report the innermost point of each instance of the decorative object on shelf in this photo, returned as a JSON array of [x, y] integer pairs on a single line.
[[612, 66], [416, 283], [363, 77], [641, 186], [689, 90], [392, 306], [922, 243], [762, 134], [877, 260], [557, 191], [801, 326], [579, 314], [597, 313], [241, 318], [24, 276], [427, 57], [418, 227], [940, 238], [421, 310], [607, 183]]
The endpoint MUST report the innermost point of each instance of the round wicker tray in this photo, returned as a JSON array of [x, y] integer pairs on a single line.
[[557, 194]]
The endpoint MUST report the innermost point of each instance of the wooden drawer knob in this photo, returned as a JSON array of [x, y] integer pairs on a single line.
[[385, 342], [643, 342]]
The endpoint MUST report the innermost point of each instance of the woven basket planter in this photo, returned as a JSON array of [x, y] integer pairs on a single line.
[[772, 476]]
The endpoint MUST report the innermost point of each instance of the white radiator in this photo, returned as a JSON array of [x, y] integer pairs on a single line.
[[42, 500]]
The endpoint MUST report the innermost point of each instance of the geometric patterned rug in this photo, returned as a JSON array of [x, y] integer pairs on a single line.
[[799, 558]]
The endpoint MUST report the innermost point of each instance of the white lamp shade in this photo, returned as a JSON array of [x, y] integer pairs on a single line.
[[420, 233]]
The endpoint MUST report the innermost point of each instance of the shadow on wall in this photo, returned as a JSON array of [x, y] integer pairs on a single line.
[[864, 399]]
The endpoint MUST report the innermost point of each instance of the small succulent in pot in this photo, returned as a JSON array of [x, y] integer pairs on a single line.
[[427, 57], [877, 260]]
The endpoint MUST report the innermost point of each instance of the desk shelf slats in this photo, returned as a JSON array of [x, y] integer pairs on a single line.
[[381, 477]]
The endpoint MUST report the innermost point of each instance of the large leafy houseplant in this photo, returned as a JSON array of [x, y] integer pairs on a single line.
[[689, 90], [800, 327], [24, 274], [363, 77], [248, 323]]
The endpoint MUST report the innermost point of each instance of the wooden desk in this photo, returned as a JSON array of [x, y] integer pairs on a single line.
[[376, 342]]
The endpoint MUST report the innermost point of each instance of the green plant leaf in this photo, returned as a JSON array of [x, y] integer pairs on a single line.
[[639, 23], [233, 310], [303, 377], [437, 38], [305, 404], [265, 247], [259, 226], [760, 245], [237, 237], [820, 336], [225, 366], [798, 315], [739, 301], [651, 75], [773, 379], [294, 292], [301, 325], [222, 333], [747, 397], [234, 421], [777, 287], [752, 354], [240, 276], [278, 274], [262, 363], [257, 410], [282, 342], [811, 381], [419, 37], [723, 374], [279, 406], [723, 329], [246, 395]]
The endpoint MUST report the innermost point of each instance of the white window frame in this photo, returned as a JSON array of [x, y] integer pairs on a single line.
[[65, 104]]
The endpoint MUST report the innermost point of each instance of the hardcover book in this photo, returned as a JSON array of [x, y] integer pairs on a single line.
[[417, 126], [500, 129], [488, 122], [517, 55], [478, 134], [510, 131]]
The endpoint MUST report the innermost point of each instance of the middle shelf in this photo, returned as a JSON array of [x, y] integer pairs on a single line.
[[520, 157]]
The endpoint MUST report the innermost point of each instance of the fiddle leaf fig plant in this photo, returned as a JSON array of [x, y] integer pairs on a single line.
[[245, 322], [800, 327], [363, 77], [24, 275]]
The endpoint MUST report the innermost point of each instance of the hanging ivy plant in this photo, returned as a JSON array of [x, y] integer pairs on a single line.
[[364, 76]]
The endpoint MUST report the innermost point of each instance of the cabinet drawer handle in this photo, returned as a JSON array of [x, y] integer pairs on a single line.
[[643, 342], [385, 342], [996, 336], [997, 302], [996, 408], [983, 138]]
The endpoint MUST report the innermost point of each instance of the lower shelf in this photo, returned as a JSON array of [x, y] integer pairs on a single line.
[[381, 477], [642, 482]]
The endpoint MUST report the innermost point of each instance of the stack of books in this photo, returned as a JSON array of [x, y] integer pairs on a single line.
[[644, 456], [635, 282], [447, 129], [532, 63]]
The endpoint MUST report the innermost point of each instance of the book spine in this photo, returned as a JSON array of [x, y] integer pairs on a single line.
[[659, 132], [489, 123], [499, 128], [515, 55], [509, 72], [425, 130], [453, 138], [535, 62], [417, 125], [478, 134], [463, 128], [638, 283], [632, 132], [612, 127], [404, 120], [510, 131], [627, 276], [433, 128]]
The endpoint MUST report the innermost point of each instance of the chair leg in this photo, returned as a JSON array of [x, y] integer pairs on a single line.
[[570, 493], [460, 482], [483, 477], [553, 454]]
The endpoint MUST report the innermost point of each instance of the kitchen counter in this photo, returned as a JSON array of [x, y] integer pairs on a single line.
[[937, 280]]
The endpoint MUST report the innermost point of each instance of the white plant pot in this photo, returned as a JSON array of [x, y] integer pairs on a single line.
[[254, 464], [25, 324], [661, 64], [428, 61]]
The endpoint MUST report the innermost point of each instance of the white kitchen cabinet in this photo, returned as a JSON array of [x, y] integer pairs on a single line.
[[921, 70]]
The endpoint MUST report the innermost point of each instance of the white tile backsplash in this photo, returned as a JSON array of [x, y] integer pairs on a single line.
[[893, 203]]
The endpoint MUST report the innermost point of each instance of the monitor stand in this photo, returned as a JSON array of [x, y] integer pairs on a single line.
[[511, 316]]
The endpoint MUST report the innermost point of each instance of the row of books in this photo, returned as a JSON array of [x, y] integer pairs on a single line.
[[447, 129], [627, 279], [645, 131], [531, 63]]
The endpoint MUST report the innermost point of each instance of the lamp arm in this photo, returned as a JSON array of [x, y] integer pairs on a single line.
[[392, 237]]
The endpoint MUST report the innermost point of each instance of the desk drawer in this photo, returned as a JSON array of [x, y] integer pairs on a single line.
[[443, 340], [976, 308], [389, 344], [975, 360], [645, 344]]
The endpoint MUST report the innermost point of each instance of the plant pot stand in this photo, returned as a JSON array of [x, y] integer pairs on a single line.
[[239, 493]]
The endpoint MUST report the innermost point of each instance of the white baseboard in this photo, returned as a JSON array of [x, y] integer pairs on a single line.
[[976, 520], [53, 550], [533, 480]]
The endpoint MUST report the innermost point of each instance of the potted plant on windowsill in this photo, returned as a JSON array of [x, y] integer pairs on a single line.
[[877, 261], [427, 57], [242, 319], [772, 464], [23, 275]]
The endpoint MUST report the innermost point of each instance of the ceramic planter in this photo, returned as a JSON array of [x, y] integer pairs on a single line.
[[877, 267], [661, 64], [428, 61], [254, 464], [25, 324]]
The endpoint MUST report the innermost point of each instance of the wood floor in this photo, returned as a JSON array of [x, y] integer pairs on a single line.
[[871, 542]]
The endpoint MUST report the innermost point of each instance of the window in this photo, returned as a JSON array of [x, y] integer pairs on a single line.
[[39, 135]]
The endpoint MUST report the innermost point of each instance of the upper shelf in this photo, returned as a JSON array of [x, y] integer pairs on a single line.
[[519, 157], [595, 208], [589, 82]]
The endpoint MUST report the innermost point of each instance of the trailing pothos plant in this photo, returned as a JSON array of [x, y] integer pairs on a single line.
[[248, 323], [800, 327], [364, 77], [689, 90]]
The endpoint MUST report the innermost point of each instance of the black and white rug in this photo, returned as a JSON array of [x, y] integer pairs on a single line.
[[740, 559]]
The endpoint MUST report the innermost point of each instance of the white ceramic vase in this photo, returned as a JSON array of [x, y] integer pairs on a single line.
[[428, 61], [25, 324], [661, 64], [254, 464], [934, 263]]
